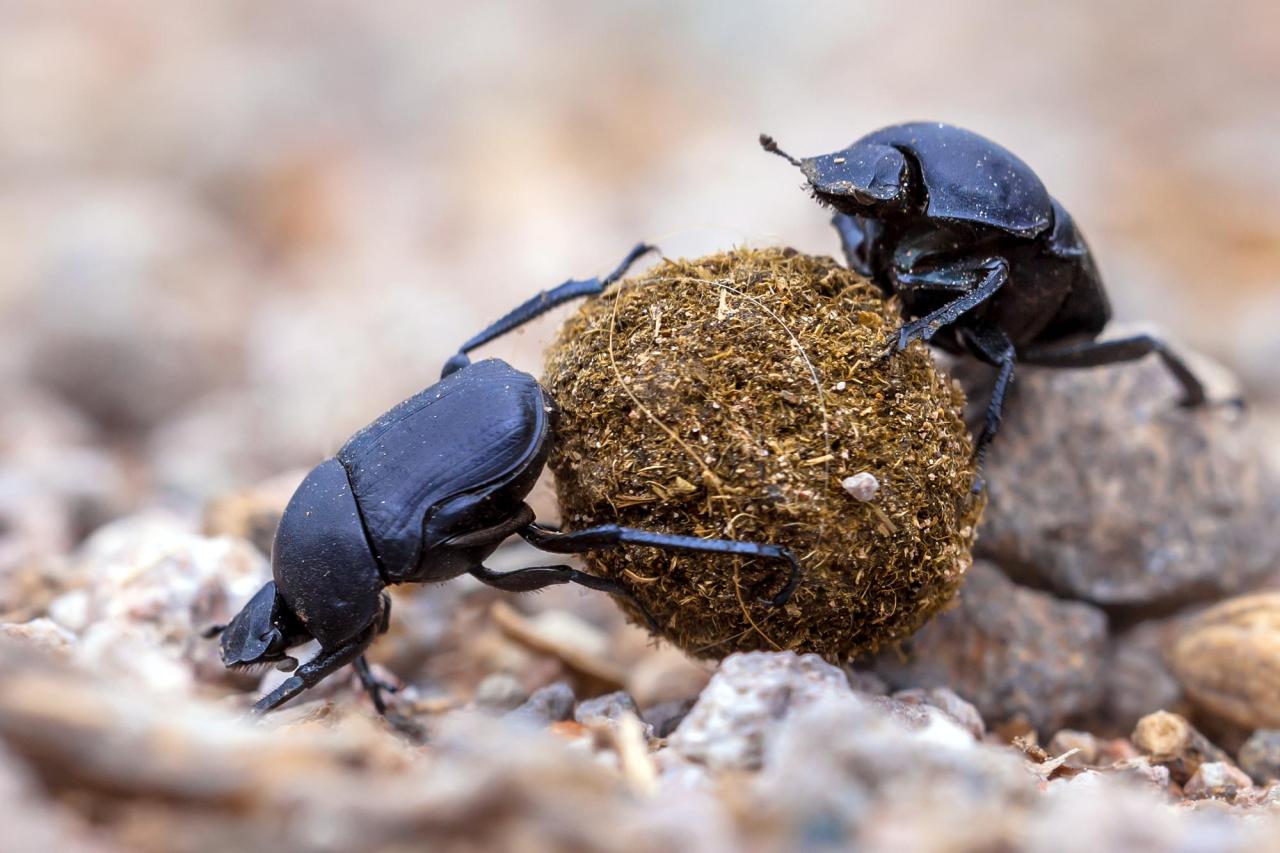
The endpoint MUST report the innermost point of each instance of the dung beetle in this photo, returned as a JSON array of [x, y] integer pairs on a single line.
[[425, 494], [984, 260]]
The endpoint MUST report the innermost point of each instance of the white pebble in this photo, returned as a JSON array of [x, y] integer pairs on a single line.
[[863, 486]]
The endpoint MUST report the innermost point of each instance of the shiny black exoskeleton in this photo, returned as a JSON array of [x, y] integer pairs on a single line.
[[984, 260], [425, 494]]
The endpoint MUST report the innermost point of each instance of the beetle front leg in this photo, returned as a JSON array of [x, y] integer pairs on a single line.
[[994, 347], [541, 304], [994, 273], [857, 240], [316, 670], [614, 536]]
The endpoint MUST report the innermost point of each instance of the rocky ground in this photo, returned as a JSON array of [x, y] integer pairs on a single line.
[[1084, 691], [234, 232]]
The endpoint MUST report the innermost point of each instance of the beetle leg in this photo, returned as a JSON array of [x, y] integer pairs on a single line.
[[613, 536], [316, 670], [994, 347], [373, 685], [541, 304], [995, 272], [384, 623], [857, 238], [1098, 353], [538, 577]]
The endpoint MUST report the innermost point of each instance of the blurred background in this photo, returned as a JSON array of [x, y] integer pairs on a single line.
[[235, 232]]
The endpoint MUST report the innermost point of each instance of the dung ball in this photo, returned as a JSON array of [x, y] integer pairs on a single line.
[[732, 396]]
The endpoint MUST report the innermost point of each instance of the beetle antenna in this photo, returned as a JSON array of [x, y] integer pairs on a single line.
[[768, 144], [212, 631]]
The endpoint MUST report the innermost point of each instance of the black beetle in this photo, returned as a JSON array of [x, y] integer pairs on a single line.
[[983, 259], [424, 494]]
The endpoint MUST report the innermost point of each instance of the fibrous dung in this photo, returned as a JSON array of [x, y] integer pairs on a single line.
[[730, 396]]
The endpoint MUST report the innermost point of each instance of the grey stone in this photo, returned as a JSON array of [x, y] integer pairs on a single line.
[[608, 709], [500, 691], [550, 704], [847, 771], [1019, 655], [1260, 756], [747, 697], [1217, 779], [947, 701], [665, 716], [1101, 487]]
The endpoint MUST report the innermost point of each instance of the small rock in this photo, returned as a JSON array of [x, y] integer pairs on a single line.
[[547, 705], [500, 691], [1170, 740], [43, 633], [1101, 487], [1228, 660], [1260, 756], [1141, 769], [746, 698], [610, 706], [608, 710], [1015, 653], [862, 486], [1085, 745], [1218, 780], [665, 716], [946, 701]]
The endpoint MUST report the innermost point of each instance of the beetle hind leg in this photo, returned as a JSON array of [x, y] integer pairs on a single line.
[[1099, 353], [373, 685], [614, 536]]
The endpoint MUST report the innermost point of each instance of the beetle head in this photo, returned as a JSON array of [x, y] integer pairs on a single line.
[[864, 178], [261, 632]]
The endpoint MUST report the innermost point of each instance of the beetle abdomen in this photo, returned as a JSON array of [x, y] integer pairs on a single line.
[[969, 178], [477, 426]]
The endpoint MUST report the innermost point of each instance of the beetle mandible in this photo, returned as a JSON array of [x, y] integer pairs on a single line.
[[425, 494], [983, 259]]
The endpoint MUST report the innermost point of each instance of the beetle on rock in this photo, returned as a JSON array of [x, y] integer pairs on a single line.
[[984, 260], [424, 494]]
